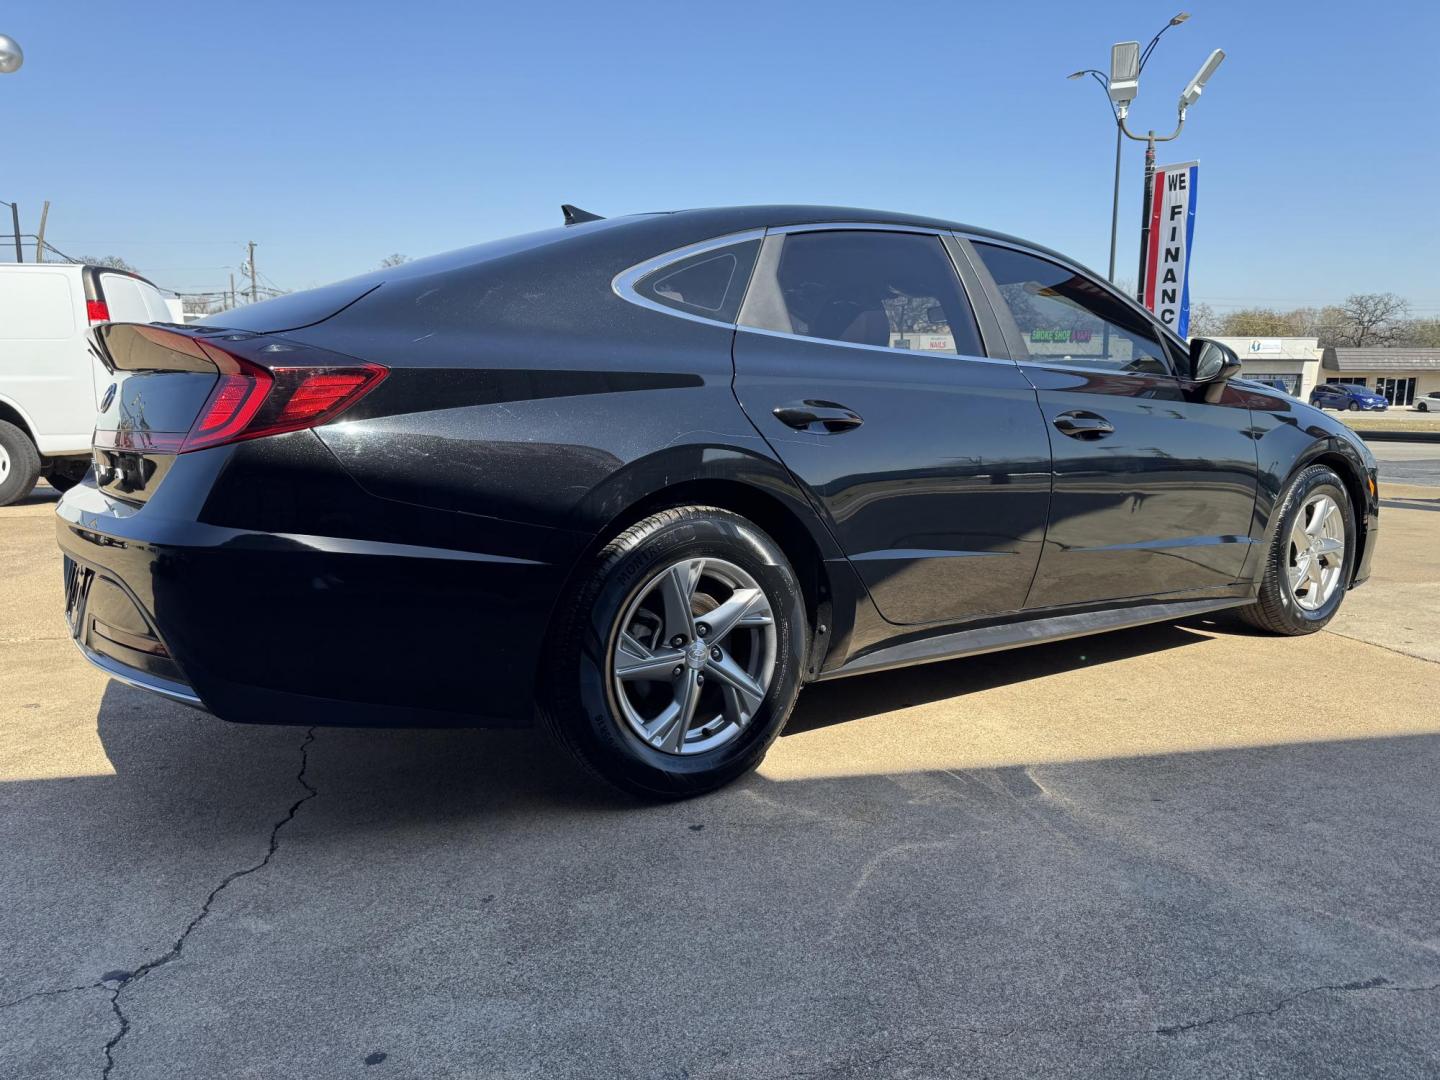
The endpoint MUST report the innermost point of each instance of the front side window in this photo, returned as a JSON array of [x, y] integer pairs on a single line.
[[1066, 318], [710, 284], [865, 287]]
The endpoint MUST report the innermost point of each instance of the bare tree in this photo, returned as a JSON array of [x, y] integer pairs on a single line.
[[114, 262], [1373, 319], [393, 260], [1204, 321], [1420, 334]]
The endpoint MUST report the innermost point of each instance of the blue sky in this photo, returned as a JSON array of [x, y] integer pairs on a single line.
[[333, 134]]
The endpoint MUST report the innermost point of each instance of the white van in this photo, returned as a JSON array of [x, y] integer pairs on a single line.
[[50, 383]]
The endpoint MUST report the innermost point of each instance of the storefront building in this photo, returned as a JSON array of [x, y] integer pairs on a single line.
[[1291, 364], [1398, 375]]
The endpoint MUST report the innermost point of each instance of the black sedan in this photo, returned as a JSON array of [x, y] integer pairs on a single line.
[[646, 477]]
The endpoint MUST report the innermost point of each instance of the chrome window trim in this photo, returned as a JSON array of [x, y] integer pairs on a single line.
[[624, 282], [1145, 313], [891, 349]]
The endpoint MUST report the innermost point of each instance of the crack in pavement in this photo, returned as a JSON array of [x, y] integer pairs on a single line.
[[121, 980], [1377, 983], [115, 982]]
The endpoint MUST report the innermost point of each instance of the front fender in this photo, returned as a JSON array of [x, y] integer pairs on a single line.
[[1290, 436]]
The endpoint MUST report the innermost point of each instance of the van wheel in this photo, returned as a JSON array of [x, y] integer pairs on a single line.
[[675, 660], [64, 473], [19, 464]]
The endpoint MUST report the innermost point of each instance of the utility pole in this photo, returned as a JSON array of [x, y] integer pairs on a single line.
[[232, 290], [40, 236], [250, 265]]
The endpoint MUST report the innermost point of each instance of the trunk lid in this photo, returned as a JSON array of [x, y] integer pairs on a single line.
[[178, 389]]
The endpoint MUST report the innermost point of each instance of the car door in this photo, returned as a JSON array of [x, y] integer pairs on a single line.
[[1154, 486], [858, 358]]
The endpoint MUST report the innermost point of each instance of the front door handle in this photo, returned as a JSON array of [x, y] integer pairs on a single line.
[[824, 417], [1084, 425]]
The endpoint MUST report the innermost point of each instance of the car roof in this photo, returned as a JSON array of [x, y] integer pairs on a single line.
[[741, 218]]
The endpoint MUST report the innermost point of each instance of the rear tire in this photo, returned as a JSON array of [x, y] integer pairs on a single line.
[[1290, 601], [627, 611], [19, 464]]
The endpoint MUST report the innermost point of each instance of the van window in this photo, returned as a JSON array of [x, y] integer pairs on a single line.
[[36, 305], [123, 298]]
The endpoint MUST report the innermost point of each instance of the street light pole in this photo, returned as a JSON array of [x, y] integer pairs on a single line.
[[1104, 81], [11, 58]]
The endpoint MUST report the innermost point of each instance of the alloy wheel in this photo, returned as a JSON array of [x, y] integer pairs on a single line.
[[4, 464], [1316, 552], [692, 656]]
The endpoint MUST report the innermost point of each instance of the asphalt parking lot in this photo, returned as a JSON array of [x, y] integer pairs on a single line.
[[1183, 851]]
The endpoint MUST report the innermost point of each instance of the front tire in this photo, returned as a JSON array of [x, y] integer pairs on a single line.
[[1309, 563], [19, 464], [675, 660]]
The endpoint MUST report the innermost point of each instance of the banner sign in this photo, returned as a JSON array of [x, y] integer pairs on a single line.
[[1172, 231]]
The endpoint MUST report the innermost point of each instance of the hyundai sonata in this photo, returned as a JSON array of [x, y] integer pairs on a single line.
[[646, 477]]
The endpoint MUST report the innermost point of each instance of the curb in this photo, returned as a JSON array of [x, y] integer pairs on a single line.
[[1382, 435]]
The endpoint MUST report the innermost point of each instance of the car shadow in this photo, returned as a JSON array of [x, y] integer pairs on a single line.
[[43, 493], [842, 700], [167, 757]]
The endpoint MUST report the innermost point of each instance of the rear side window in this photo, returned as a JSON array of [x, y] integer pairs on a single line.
[[710, 284], [36, 306], [865, 287]]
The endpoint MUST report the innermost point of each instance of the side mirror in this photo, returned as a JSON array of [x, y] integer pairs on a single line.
[[1212, 362]]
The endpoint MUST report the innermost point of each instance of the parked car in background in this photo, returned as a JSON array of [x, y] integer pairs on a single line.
[[1428, 402], [51, 384], [1349, 396], [654, 474]]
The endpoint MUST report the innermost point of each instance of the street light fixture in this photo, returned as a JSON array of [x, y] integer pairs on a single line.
[[11, 55], [1124, 82], [1197, 84]]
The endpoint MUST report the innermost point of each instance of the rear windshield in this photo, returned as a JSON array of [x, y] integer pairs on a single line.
[[316, 305]]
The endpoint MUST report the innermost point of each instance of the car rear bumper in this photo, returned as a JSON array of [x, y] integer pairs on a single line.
[[265, 627]]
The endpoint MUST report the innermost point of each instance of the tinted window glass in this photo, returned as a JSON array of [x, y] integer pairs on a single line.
[[868, 288], [710, 284], [1068, 318]]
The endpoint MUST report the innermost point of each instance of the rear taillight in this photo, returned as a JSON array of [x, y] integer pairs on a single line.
[[250, 401], [97, 311]]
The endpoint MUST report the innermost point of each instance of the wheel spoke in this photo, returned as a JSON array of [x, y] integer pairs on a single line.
[[1319, 516], [745, 607], [677, 588], [667, 731], [747, 693], [1300, 571], [1315, 572], [634, 661], [1298, 536], [1328, 545]]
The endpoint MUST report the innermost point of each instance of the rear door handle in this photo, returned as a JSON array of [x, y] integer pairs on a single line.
[[1084, 425], [823, 417]]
